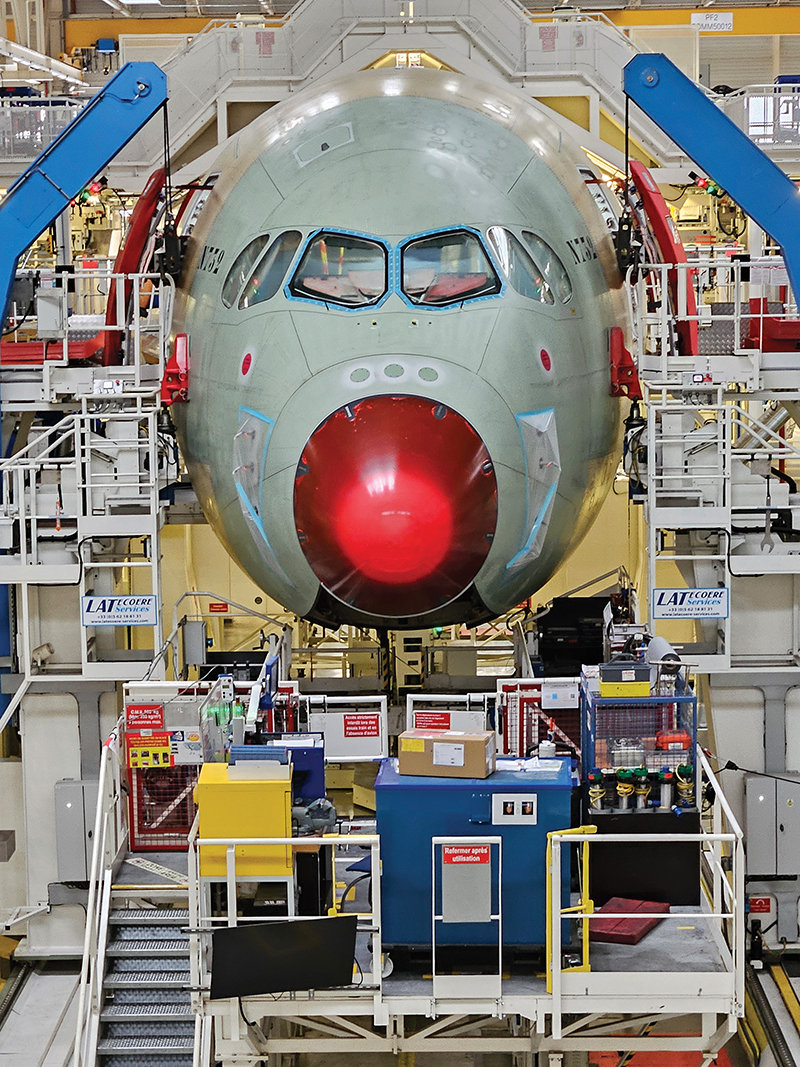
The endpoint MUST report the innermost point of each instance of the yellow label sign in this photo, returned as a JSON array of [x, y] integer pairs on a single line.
[[412, 744], [148, 750]]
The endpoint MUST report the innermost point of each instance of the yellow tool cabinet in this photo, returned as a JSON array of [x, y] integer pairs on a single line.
[[244, 808]]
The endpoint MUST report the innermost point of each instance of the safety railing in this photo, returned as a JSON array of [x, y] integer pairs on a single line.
[[290, 48], [452, 711], [69, 474], [715, 464], [202, 920], [280, 643], [340, 661], [746, 322], [288, 51], [110, 836], [768, 114], [724, 474], [721, 914], [29, 124], [354, 728], [138, 327], [488, 658], [69, 485]]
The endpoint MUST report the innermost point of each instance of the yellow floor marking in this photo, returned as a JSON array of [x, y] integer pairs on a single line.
[[787, 992]]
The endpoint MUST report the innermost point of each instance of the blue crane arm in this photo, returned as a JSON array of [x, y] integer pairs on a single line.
[[81, 150], [721, 149]]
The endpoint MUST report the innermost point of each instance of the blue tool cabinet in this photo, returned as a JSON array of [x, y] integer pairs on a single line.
[[521, 806]]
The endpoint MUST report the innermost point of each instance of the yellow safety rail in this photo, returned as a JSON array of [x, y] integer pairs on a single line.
[[585, 904]]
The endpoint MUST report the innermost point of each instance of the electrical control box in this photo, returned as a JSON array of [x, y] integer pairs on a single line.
[[521, 802], [76, 806], [772, 812]]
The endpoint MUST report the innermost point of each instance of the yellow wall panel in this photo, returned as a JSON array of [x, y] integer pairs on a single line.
[[574, 108], [82, 33]]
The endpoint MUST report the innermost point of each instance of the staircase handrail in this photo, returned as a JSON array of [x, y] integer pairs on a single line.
[[110, 833], [503, 31], [65, 425]]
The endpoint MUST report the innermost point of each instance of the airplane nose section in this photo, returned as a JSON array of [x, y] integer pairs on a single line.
[[395, 504]]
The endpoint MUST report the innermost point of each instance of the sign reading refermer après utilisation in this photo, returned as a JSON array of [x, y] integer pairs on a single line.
[[119, 610], [690, 604]]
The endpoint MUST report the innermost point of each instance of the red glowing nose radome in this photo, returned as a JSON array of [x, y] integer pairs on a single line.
[[395, 504], [397, 526]]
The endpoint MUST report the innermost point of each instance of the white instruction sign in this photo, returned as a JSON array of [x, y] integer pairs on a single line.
[[690, 604], [119, 610], [445, 755], [770, 271], [713, 21], [560, 693]]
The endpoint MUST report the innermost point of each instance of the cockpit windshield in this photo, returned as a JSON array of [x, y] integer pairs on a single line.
[[340, 269], [554, 271], [268, 276], [447, 268], [523, 274]]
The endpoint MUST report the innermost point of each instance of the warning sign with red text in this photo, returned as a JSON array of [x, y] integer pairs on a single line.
[[148, 750], [361, 725], [760, 905], [144, 716], [432, 720], [466, 853]]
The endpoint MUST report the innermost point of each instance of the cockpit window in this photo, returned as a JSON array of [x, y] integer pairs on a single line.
[[522, 273], [447, 268], [555, 273], [339, 269], [241, 268], [266, 279]]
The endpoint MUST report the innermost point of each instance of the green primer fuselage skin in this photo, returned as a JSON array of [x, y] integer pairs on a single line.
[[407, 152]]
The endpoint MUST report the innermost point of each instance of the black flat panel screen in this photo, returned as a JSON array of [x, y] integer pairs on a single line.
[[277, 957], [667, 872]]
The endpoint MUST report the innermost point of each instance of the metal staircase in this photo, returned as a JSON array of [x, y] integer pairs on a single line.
[[134, 1000], [147, 1016]]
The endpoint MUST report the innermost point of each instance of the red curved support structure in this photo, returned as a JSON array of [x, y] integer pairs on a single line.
[[129, 260], [624, 376], [175, 384], [671, 249]]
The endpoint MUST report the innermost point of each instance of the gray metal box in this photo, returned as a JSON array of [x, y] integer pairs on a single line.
[[49, 312], [193, 638], [76, 803], [772, 811]]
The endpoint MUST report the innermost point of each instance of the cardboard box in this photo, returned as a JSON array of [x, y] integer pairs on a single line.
[[446, 753]]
